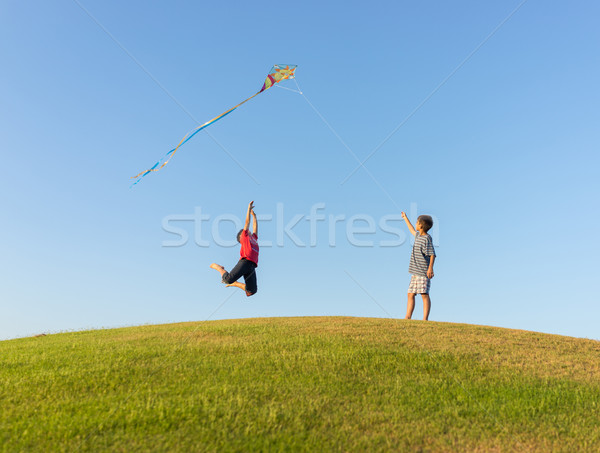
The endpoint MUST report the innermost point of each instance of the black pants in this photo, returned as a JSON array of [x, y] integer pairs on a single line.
[[247, 269]]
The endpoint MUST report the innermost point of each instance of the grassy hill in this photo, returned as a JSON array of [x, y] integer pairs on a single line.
[[291, 384]]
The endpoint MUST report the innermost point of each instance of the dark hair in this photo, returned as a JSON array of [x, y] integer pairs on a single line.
[[239, 234], [426, 221]]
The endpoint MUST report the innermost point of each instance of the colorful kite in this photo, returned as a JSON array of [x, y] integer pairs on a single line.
[[276, 75]]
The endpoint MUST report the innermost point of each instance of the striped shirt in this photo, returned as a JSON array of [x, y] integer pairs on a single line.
[[420, 256]]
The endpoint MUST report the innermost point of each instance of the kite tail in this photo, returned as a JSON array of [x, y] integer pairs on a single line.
[[167, 157], [277, 74]]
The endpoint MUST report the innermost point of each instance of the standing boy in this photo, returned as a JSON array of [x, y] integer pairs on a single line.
[[421, 264], [248, 262]]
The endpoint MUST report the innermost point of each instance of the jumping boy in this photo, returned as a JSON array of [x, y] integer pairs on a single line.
[[248, 262], [421, 264]]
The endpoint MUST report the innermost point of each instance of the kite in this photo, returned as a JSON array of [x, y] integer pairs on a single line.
[[276, 75]]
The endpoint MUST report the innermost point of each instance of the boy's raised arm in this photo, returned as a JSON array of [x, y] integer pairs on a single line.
[[408, 224], [250, 207], [254, 223]]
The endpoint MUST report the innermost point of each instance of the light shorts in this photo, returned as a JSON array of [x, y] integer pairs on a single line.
[[419, 284]]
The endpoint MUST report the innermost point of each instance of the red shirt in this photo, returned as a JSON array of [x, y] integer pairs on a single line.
[[249, 248]]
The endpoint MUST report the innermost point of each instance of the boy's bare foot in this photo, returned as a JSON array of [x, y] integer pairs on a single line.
[[238, 285], [220, 269]]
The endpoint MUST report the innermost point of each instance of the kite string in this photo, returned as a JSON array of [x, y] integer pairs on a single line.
[[290, 89], [299, 89], [341, 140]]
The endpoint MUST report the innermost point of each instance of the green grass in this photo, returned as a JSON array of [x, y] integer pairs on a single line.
[[300, 384]]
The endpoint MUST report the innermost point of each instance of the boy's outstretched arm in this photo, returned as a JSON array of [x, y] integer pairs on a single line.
[[250, 208], [254, 222], [408, 224]]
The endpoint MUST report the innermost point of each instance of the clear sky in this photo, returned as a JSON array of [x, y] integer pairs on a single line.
[[495, 114]]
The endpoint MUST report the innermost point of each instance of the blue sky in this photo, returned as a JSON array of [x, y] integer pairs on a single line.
[[504, 154]]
